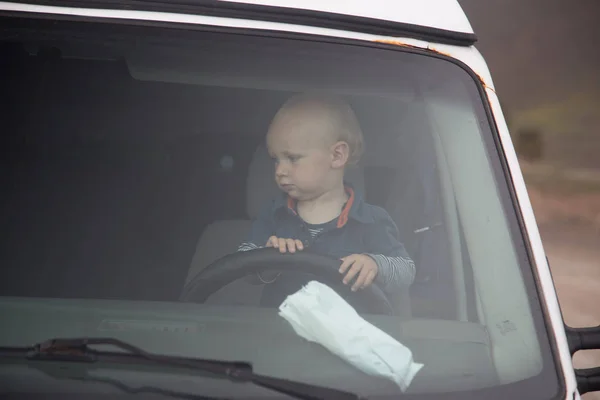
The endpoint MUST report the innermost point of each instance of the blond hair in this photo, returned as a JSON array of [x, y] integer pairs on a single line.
[[339, 113]]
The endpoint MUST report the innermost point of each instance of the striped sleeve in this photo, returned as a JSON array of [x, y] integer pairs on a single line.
[[262, 228], [246, 246], [396, 269], [394, 272]]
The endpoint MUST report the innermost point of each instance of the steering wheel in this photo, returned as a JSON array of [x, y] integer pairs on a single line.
[[324, 269]]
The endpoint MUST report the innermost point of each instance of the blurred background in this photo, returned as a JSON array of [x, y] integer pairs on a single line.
[[544, 56]]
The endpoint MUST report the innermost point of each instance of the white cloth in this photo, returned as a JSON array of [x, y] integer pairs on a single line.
[[318, 314]]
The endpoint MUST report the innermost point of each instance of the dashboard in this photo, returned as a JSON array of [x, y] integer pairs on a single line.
[[456, 355]]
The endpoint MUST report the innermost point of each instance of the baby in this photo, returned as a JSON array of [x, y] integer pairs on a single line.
[[312, 139]]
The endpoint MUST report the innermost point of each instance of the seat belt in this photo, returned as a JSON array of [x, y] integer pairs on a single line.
[[420, 217]]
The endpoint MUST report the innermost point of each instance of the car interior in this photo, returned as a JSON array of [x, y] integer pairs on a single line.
[[131, 163], [119, 188]]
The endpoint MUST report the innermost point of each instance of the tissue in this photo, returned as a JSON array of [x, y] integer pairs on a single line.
[[318, 314]]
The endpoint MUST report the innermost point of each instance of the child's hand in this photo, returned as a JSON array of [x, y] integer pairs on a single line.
[[284, 245], [360, 264]]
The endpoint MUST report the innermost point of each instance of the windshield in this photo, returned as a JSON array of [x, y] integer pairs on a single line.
[[136, 158]]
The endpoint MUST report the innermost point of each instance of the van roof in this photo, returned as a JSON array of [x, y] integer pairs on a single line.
[[440, 14], [441, 21]]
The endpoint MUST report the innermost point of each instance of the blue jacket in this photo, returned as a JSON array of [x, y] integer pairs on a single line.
[[361, 228]]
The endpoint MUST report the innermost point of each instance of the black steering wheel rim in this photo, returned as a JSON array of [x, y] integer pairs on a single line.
[[239, 264]]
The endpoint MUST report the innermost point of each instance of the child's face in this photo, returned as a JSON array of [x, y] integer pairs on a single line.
[[306, 161]]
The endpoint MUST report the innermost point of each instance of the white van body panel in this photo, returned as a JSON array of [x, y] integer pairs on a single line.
[[447, 15], [548, 295], [440, 14], [469, 55]]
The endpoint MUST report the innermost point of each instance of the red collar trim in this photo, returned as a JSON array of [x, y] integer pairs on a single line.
[[343, 218]]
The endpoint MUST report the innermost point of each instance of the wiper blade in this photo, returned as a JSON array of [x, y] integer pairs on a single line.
[[79, 350], [142, 389]]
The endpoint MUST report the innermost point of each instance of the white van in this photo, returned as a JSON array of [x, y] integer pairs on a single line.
[[134, 161]]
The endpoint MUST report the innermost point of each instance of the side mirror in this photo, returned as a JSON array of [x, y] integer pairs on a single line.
[[588, 379]]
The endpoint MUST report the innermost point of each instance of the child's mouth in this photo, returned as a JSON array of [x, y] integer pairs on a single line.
[[286, 187]]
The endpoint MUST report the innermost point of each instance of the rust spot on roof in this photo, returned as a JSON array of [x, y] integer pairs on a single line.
[[403, 44], [479, 77], [412, 46], [485, 85], [439, 52], [397, 43]]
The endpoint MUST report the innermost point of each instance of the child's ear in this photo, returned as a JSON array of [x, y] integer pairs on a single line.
[[340, 152]]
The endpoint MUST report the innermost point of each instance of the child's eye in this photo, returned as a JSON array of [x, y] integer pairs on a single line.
[[294, 158]]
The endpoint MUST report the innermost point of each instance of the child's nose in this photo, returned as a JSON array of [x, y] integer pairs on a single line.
[[280, 170]]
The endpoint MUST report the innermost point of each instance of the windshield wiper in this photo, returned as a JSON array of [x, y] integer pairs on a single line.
[[79, 350]]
